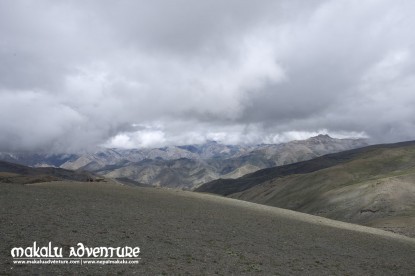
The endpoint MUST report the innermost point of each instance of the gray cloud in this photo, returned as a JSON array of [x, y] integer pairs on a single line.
[[74, 75]]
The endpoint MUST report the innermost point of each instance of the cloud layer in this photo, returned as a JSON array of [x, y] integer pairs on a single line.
[[74, 75]]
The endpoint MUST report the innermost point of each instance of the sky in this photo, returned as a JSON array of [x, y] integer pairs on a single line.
[[75, 75]]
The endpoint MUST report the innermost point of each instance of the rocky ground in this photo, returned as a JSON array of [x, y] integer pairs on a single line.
[[183, 233]]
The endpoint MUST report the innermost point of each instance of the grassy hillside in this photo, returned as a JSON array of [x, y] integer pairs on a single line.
[[190, 233], [374, 186]]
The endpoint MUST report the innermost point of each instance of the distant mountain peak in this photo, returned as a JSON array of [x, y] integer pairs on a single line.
[[323, 136], [320, 138]]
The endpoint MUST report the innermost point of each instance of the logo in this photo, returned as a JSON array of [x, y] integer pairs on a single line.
[[80, 254]]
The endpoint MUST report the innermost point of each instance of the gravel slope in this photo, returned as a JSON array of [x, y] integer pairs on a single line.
[[189, 233]]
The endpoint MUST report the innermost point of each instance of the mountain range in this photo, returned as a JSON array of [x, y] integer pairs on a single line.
[[188, 166], [371, 185]]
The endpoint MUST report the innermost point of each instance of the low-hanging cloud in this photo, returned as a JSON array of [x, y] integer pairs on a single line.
[[74, 75]]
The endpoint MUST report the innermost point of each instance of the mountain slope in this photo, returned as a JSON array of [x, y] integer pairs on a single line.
[[371, 186], [180, 173], [189, 233], [230, 186], [15, 173]]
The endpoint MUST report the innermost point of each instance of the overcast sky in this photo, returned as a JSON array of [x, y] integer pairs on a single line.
[[77, 74]]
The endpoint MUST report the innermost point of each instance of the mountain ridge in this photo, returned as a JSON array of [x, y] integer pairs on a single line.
[[247, 181], [373, 186]]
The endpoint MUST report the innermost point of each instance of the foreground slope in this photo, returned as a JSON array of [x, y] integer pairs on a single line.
[[189, 233], [371, 186]]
